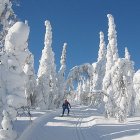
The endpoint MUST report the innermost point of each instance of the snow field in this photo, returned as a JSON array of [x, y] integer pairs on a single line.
[[84, 123]]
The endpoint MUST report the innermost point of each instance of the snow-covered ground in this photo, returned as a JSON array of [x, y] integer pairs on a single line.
[[84, 123]]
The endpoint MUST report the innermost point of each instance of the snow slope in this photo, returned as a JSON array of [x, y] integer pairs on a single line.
[[84, 123]]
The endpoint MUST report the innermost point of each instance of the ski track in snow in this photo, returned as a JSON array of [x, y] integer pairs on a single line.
[[84, 123], [79, 133]]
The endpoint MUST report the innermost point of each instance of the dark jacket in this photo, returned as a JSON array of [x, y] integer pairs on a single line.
[[66, 104]]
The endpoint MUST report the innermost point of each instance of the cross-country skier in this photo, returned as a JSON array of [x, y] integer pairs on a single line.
[[66, 105]]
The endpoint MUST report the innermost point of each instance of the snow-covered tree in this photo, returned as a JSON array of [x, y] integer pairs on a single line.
[[99, 66], [107, 85], [124, 94], [16, 53], [120, 99], [118, 81], [7, 19], [82, 76], [61, 76], [130, 89], [46, 81], [111, 58], [77, 73], [30, 84]]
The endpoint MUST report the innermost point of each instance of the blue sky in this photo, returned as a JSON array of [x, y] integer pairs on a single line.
[[78, 22]]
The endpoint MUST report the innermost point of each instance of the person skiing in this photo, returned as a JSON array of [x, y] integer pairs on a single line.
[[66, 105]]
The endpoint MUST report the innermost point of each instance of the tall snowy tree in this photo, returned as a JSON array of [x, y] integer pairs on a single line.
[[107, 85], [16, 48], [111, 58], [118, 84], [124, 94], [61, 76], [14, 79], [99, 66], [30, 84], [46, 82], [130, 87]]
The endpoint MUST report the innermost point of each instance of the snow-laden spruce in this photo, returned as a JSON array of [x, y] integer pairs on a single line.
[[122, 99], [107, 85], [61, 77], [130, 89], [16, 54], [118, 81], [99, 66], [30, 83], [46, 81], [111, 57]]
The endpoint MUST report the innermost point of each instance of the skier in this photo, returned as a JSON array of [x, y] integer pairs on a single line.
[[65, 106]]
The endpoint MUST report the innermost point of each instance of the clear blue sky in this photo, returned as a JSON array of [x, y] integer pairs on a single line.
[[78, 22]]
